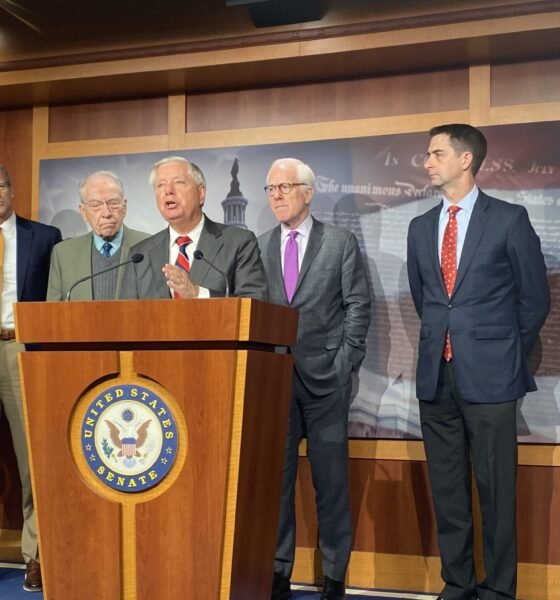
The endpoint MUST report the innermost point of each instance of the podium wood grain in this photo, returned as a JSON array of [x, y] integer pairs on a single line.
[[210, 535]]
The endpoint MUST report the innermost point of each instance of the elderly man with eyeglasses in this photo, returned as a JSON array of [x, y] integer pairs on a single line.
[[103, 208], [318, 269]]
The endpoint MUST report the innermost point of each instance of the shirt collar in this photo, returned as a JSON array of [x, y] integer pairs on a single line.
[[303, 228], [9, 225], [194, 234], [115, 242], [466, 203]]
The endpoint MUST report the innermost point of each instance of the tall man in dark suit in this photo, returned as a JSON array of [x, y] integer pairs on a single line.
[[317, 269], [169, 267], [25, 252], [478, 280]]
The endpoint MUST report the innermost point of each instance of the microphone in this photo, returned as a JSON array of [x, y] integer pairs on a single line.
[[200, 256], [135, 258]]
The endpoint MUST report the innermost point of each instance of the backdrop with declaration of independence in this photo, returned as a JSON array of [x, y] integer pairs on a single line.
[[374, 186]]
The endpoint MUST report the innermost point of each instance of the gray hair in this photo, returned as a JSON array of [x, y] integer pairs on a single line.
[[5, 176], [304, 171], [107, 174], [194, 171]]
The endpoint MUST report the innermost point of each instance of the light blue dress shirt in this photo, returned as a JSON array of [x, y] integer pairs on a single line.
[[116, 242], [463, 218]]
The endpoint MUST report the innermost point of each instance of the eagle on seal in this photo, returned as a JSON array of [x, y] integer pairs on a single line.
[[128, 445]]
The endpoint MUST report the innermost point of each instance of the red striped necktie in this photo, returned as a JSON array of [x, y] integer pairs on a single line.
[[182, 259]]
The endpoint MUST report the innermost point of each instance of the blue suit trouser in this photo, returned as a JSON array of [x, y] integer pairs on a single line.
[[458, 434]]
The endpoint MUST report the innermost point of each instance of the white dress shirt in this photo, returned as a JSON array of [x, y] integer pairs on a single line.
[[174, 251], [302, 239], [9, 277]]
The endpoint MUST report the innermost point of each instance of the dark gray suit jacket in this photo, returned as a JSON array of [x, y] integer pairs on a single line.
[[232, 250], [332, 296], [499, 303]]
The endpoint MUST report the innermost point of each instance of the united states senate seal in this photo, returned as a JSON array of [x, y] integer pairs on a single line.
[[129, 437]]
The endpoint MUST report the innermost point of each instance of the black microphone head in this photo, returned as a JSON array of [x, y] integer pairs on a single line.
[[136, 258], [198, 254]]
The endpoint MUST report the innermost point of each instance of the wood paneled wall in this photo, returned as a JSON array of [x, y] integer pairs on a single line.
[[16, 155], [101, 120], [525, 83], [333, 101], [395, 542]]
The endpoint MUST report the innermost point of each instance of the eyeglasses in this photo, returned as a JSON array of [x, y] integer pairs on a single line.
[[285, 188], [3, 187], [113, 204]]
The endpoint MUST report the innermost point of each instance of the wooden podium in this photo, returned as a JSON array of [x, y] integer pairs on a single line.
[[112, 524]]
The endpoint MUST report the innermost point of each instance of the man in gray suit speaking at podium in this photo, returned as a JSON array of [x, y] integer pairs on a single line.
[[478, 280], [317, 269], [194, 257]]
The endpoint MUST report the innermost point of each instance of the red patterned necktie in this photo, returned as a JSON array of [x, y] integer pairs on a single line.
[[449, 265], [182, 259]]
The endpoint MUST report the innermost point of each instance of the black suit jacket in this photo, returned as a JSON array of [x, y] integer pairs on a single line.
[[499, 303], [35, 242]]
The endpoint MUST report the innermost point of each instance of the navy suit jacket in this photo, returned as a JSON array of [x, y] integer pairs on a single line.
[[497, 307], [35, 242]]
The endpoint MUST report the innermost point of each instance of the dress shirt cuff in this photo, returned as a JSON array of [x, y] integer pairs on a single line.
[[203, 292]]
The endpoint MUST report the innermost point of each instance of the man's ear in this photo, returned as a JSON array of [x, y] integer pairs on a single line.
[[83, 212], [202, 194], [467, 160]]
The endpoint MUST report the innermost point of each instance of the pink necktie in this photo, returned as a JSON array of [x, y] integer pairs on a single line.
[[449, 265], [291, 266]]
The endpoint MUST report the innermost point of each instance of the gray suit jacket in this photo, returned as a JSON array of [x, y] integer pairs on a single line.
[[71, 260], [333, 299], [232, 250]]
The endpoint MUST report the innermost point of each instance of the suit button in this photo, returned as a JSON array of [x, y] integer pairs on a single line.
[[450, 306]]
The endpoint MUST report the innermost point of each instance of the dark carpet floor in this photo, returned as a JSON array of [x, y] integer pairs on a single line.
[[11, 582]]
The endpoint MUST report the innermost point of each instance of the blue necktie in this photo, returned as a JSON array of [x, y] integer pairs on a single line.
[[106, 249]]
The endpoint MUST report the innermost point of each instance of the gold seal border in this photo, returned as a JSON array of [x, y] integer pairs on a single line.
[[126, 377]]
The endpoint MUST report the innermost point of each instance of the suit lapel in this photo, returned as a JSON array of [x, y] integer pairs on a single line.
[[125, 247], [24, 236], [313, 245], [432, 234], [477, 225], [83, 268], [158, 257], [274, 262], [209, 244]]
